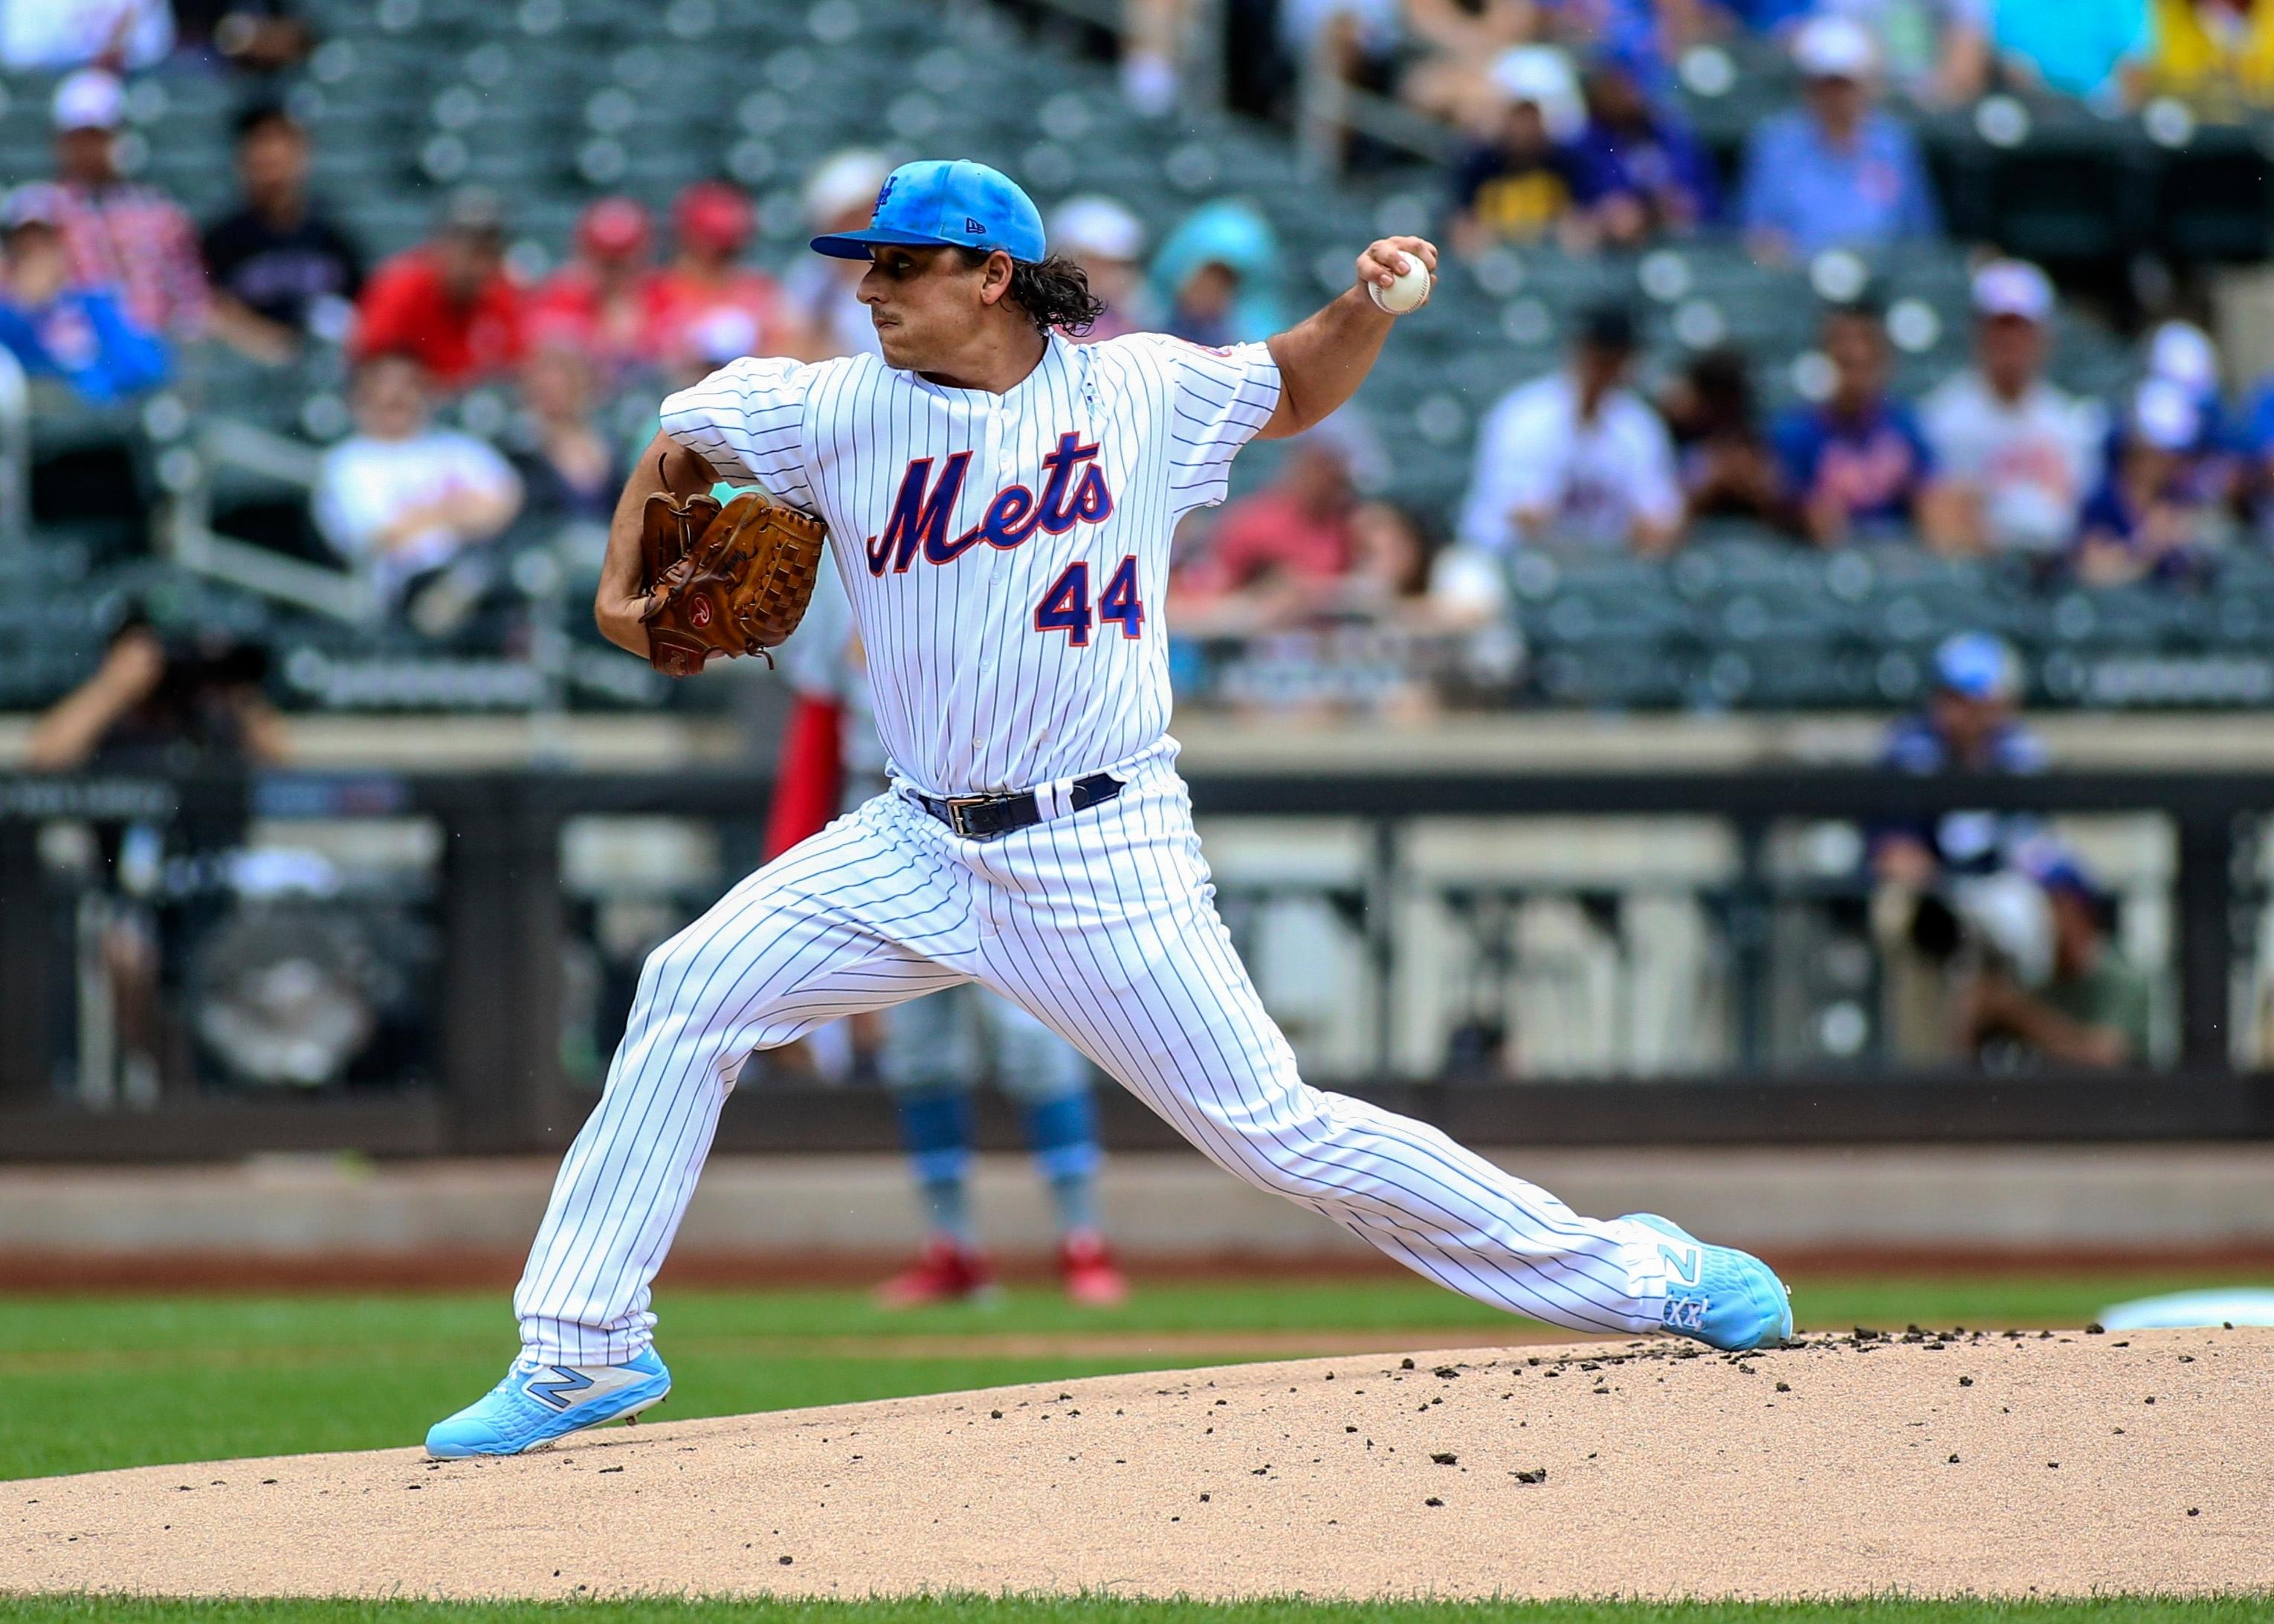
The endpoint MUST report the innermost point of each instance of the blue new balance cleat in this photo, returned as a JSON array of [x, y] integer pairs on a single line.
[[1717, 1295], [537, 1404]]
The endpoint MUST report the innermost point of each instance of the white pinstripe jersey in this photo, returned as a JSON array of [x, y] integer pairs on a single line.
[[1006, 554]]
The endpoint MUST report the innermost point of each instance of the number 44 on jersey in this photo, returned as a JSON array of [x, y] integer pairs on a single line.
[[1066, 607]]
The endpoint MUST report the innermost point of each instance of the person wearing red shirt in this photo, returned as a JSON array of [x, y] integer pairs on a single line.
[[1278, 558], [449, 302], [605, 301], [711, 226]]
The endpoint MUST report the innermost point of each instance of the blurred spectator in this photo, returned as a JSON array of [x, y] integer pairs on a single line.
[[2255, 438], [1934, 52], [449, 302], [608, 299], [2095, 49], [1636, 171], [1336, 43], [1858, 466], [568, 471], [400, 498], [120, 236], [1217, 276], [1152, 38], [1836, 169], [1451, 46], [2150, 518], [1970, 725], [1106, 240], [78, 335], [1517, 186], [1577, 457], [1275, 558], [256, 36], [841, 195], [282, 270], [50, 36], [2018, 453], [2091, 1008], [1647, 33], [2216, 473], [1396, 578], [711, 227], [2217, 54], [2183, 353], [1728, 469]]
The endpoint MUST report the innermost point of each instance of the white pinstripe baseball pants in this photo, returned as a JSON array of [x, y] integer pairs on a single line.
[[1103, 924]]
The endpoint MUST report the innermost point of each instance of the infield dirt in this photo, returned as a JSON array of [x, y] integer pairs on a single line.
[[1938, 1463]]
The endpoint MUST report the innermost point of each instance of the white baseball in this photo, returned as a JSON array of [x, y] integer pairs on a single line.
[[1406, 292]]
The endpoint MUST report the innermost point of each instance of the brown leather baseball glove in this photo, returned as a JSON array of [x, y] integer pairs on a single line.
[[731, 581]]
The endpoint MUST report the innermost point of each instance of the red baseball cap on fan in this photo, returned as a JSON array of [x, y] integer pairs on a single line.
[[614, 228], [713, 215]]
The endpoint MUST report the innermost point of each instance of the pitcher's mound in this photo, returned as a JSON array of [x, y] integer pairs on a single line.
[[1933, 1464]]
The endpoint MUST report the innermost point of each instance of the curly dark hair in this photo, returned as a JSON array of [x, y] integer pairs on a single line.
[[1054, 292]]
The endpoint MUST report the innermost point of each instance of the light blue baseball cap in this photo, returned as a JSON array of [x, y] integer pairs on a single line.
[[1978, 665], [956, 202]]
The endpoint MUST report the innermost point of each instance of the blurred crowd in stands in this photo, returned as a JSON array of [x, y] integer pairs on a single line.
[[1574, 139], [1458, 60]]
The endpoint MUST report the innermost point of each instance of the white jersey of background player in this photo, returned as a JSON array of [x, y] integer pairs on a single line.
[[1000, 503]]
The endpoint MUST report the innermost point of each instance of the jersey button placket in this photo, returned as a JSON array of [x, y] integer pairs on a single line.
[[1001, 451]]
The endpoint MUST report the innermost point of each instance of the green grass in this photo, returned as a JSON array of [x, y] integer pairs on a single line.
[[984, 1610], [103, 1381]]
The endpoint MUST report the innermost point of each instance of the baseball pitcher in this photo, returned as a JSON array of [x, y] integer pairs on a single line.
[[999, 503]]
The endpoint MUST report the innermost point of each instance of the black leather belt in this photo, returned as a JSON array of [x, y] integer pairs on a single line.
[[990, 817]]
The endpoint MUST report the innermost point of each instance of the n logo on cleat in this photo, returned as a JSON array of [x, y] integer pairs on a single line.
[[1682, 1262], [557, 1388]]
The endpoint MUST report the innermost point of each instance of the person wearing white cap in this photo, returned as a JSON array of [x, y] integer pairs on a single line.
[[1836, 171], [119, 235], [1515, 186], [2183, 353], [2148, 519], [1108, 242], [840, 196], [2016, 450]]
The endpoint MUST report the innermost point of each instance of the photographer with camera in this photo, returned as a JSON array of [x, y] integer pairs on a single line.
[[2067, 994], [170, 706]]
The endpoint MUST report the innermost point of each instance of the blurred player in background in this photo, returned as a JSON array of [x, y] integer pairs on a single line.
[[935, 1048]]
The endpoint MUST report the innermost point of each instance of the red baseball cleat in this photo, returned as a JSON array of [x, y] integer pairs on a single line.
[[1091, 1276], [946, 1273]]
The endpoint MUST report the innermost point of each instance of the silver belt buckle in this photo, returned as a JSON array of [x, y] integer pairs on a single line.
[[956, 804]]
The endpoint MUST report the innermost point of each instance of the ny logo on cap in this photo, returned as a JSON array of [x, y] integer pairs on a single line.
[[972, 226], [885, 191]]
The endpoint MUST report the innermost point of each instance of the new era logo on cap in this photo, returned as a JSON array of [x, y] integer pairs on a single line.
[[973, 226]]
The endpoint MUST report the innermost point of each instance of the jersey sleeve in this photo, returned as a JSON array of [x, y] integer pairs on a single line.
[[1215, 402], [748, 421]]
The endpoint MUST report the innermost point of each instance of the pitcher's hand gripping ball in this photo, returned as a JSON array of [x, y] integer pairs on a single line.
[[725, 580]]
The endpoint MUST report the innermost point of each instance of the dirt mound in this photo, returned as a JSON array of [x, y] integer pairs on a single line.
[[1934, 1462]]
